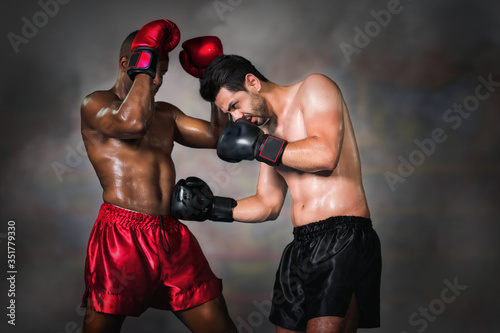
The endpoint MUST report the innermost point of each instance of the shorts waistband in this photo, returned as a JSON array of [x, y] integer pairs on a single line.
[[131, 218], [314, 229]]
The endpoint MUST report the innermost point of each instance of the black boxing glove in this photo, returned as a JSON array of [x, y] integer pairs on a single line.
[[192, 199], [243, 140]]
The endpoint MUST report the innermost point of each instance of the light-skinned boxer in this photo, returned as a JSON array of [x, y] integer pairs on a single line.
[[138, 255], [328, 279]]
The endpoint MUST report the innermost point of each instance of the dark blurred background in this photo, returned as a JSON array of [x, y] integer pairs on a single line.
[[421, 79]]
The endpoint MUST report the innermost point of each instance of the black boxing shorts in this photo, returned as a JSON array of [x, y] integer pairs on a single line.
[[322, 267]]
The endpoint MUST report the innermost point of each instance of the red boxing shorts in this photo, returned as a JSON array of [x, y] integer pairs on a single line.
[[135, 261]]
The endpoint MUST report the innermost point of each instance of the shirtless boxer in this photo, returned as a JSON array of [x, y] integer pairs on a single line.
[[329, 275], [138, 255]]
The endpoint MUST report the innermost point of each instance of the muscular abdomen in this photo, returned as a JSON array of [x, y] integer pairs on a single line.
[[136, 178], [317, 196]]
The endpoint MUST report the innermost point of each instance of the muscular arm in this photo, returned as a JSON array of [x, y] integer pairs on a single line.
[[128, 119], [193, 132], [266, 204], [323, 119]]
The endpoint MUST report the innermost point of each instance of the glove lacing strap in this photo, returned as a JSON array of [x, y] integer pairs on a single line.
[[161, 233], [271, 150]]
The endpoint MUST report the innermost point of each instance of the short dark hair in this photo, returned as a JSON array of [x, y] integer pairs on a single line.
[[226, 71], [127, 43]]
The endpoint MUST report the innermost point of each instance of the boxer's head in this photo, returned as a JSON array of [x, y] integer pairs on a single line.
[[228, 81], [228, 71], [127, 44]]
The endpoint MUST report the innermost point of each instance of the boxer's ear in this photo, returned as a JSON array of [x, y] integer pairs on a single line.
[[251, 81], [123, 63]]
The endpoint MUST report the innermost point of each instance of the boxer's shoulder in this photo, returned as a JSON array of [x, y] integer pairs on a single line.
[[317, 89], [166, 110], [317, 81], [98, 99], [317, 77], [165, 107], [101, 95]]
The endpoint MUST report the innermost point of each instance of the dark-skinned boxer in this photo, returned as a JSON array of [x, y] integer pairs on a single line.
[[329, 275], [138, 255]]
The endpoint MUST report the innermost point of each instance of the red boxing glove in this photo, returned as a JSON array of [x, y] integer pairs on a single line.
[[198, 53], [153, 42]]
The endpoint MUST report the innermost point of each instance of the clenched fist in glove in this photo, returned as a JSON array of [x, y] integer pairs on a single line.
[[243, 140], [198, 53], [193, 200], [151, 44]]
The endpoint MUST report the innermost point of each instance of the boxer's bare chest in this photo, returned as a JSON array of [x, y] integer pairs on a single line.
[[292, 128], [158, 139], [160, 135]]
